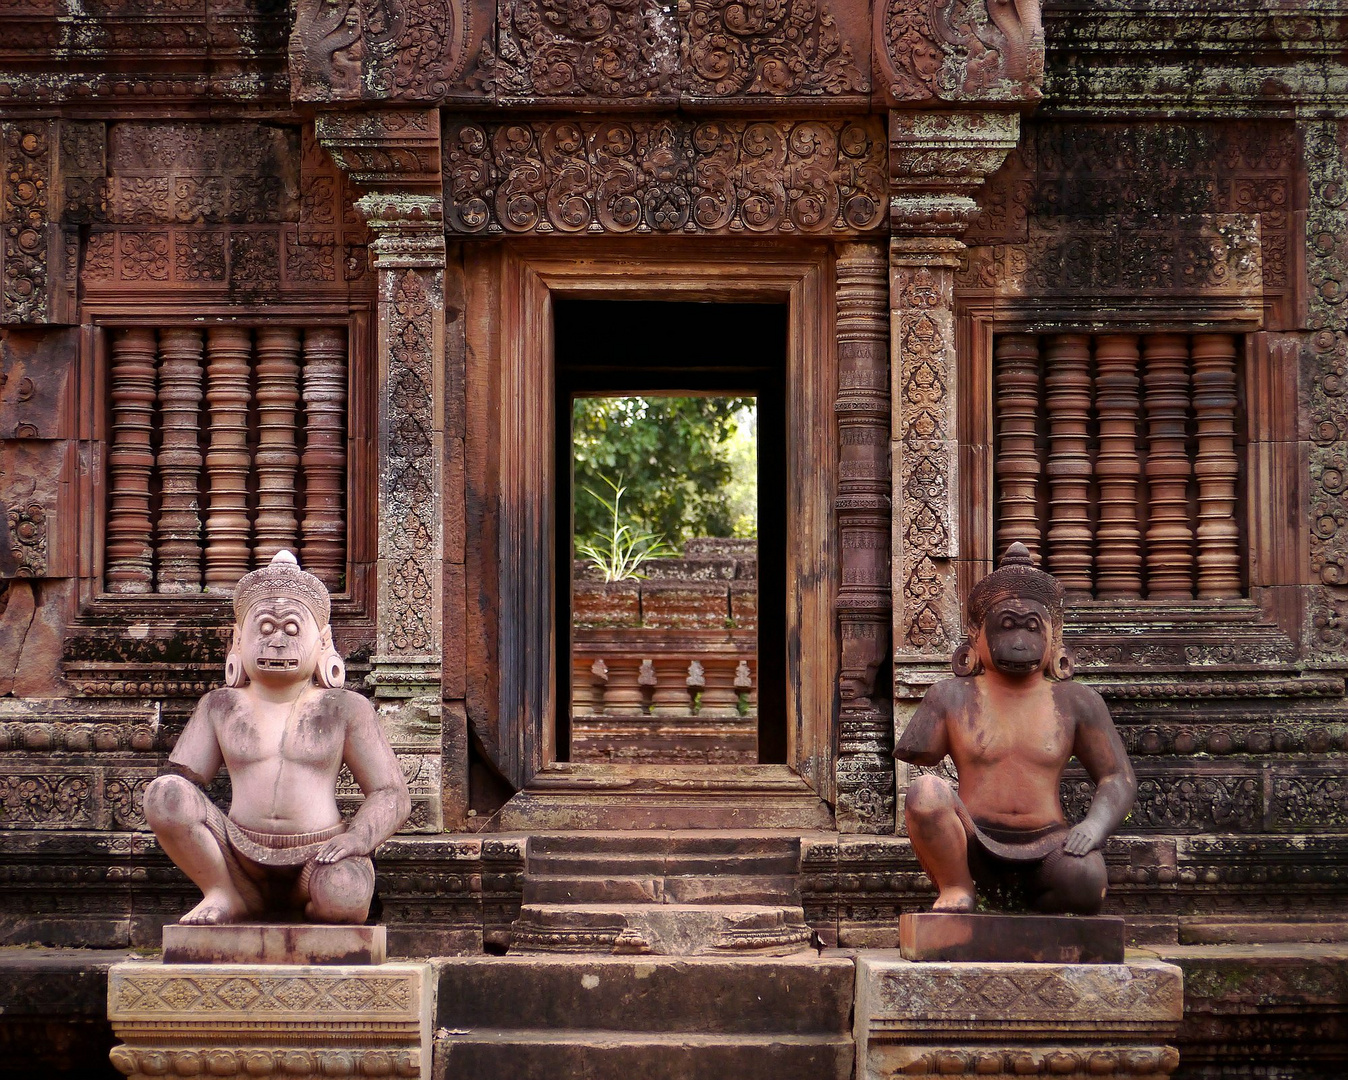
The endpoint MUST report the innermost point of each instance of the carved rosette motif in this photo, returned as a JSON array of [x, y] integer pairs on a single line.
[[1324, 382], [960, 50], [937, 160], [865, 773], [669, 176], [26, 206]]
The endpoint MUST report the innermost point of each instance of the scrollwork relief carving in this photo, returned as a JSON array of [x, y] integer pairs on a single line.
[[960, 50], [777, 47], [812, 177]]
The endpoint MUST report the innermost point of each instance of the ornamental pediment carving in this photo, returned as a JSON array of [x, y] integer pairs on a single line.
[[539, 52]]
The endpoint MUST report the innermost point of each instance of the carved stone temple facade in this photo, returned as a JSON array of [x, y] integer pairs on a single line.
[[1074, 274]]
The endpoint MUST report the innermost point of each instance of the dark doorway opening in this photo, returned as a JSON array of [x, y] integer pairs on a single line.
[[667, 349]]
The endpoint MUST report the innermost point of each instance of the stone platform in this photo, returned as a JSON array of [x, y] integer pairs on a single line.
[[1008, 1020], [275, 943], [1037, 939], [258, 1020]]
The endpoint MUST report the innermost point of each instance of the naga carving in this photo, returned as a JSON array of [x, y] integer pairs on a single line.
[[346, 50], [960, 50]]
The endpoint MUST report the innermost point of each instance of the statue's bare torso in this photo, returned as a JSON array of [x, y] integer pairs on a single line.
[[283, 759]]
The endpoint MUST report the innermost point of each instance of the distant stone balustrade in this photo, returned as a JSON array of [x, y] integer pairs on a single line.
[[665, 668]]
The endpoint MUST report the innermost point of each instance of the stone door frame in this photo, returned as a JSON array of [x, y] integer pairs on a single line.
[[509, 292]]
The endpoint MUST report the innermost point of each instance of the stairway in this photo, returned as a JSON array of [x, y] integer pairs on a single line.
[[662, 893], [655, 1018]]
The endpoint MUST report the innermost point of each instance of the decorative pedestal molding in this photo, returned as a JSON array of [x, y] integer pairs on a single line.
[[1011, 1020], [251, 1020]]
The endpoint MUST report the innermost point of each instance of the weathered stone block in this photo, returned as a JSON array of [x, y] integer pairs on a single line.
[[684, 605], [1015, 1019], [965, 936], [272, 943], [595, 603], [269, 1020]]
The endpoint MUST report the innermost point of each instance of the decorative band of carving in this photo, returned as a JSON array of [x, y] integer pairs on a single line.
[[1045, 1061], [723, 176], [265, 1061]]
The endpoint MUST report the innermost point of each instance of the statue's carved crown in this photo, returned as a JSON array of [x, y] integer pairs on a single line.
[[1016, 578], [282, 577]]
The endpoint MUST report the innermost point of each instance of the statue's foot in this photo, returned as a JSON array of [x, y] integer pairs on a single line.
[[217, 907], [954, 900]]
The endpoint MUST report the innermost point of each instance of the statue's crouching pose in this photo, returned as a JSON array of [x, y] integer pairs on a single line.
[[283, 727], [1010, 720]]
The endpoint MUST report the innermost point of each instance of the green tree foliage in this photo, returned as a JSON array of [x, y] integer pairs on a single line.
[[673, 456]]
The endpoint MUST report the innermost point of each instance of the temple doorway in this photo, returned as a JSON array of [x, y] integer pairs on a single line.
[[670, 461]]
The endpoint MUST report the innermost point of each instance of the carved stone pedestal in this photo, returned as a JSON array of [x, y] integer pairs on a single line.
[[1024, 939], [252, 1020], [275, 943], [1078, 1020]]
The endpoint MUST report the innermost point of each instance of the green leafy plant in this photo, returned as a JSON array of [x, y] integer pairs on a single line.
[[619, 550]]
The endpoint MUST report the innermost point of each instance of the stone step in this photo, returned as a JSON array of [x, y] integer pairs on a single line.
[[610, 863], [688, 841], [773, 889], [663, 929], [745, 995], [514, 1055]]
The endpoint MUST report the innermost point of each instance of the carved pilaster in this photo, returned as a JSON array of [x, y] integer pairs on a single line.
[[937, 161], [865, 774], [395, 155]]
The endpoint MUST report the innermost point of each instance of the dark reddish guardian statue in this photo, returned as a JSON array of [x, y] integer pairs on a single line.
[[1010, 720]]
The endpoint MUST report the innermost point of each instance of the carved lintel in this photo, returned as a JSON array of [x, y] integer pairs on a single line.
[[665, 176], [959, 50]]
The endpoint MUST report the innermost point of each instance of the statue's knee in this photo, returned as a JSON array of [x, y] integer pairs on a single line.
[[928, 796], [340, 892], [171, 801], [1078, 884]]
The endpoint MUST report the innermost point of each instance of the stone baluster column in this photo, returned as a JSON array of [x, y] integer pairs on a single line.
[[394, 155], [178, 548], [1118, 557], [1170, 532], [277, 458], [1217, 467], [1018, 467], [130, 557], [323, 526], [865, 776]]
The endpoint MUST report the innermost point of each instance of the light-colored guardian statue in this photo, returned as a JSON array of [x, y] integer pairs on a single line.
[[282, 726]]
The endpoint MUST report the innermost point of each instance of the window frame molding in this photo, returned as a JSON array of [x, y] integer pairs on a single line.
[[1271, 473], [354, 608]]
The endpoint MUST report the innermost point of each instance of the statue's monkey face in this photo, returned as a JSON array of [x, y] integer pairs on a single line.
[[279, 641], [1016, 636]]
